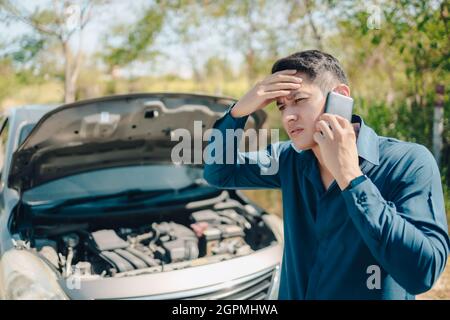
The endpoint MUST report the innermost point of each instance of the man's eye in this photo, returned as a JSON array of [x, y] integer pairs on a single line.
[[300, 99], [281, 108]]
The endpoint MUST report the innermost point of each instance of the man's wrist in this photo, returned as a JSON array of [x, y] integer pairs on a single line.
[[345, 182], [354, 182], [236, 112]]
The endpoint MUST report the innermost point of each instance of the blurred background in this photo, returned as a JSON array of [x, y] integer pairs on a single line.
[[396, 55]]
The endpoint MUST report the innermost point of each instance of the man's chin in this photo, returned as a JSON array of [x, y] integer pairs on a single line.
[[302, 145]]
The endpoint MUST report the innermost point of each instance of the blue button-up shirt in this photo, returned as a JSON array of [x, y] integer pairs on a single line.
[[386, 237]]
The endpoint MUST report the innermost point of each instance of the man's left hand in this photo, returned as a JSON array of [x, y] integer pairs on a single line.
[[338, 148]]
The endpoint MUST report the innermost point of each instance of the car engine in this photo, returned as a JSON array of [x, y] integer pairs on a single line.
[[206, 236]]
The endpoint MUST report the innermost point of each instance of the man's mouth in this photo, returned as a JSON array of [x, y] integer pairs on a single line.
[[295, 131]]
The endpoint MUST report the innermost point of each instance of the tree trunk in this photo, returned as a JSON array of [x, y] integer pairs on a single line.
[[69, 87], [438, 122], [316, 33]]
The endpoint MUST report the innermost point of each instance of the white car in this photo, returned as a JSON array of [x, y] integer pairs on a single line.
[[92, 207]]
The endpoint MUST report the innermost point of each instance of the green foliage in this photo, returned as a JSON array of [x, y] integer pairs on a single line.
[[402, 121], [28, 48], [135, 41], [414, 33], [6, 85]]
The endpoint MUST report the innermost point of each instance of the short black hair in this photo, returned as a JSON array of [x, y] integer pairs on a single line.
[[322, 68]]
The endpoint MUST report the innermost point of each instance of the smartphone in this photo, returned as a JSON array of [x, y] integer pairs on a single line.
[[339, 104]]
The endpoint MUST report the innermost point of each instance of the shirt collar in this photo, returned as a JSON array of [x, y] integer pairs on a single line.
[[367, 142]]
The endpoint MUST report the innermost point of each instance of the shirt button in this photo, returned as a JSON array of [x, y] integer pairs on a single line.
[[362, 198]]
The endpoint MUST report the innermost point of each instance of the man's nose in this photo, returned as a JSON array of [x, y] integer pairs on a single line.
[[290, 114]]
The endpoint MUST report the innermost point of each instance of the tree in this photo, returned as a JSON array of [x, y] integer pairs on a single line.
[[252, 31], [61, 22], [407, 57], [133, 42]]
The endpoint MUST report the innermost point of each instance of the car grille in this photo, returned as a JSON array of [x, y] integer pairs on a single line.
[[255, 287]]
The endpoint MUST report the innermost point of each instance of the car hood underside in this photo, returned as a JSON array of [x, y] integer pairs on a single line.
[[114, 131]]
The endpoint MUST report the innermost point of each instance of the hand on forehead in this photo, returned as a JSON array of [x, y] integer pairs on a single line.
[[292, 96]]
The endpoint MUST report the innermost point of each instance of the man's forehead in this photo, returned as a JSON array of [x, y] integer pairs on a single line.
[[305, 89]]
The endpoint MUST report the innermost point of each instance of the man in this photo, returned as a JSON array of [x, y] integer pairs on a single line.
[[364, 215]]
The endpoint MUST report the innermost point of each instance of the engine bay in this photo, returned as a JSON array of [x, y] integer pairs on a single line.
[[218, 232]]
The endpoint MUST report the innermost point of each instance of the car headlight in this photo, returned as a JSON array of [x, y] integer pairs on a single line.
[[23, 276]]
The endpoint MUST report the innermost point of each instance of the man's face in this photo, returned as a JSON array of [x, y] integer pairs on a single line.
[[299, 113]]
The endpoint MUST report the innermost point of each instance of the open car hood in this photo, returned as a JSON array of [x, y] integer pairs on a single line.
[[123, 130]]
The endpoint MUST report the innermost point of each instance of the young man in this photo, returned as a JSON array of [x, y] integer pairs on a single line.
[[364, 215]]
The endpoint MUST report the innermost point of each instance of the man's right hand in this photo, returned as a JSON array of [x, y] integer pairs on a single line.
[[277, 85]]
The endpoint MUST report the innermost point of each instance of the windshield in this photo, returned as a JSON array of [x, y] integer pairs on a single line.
[[114, 180]]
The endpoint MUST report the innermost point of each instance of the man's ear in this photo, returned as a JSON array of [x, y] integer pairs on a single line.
[[342, 89]]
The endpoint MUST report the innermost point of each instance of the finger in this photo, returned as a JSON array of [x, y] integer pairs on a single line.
[[287, 71], [343, 122], [276, 94], [333, 122], [284, 78], [281, 86], [325, 129], [318, 138]]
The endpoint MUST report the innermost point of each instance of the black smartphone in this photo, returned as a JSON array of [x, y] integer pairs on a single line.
[[339, 104]]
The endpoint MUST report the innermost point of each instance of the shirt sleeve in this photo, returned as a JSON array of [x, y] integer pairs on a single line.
[[227, 167], [408, 234]]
